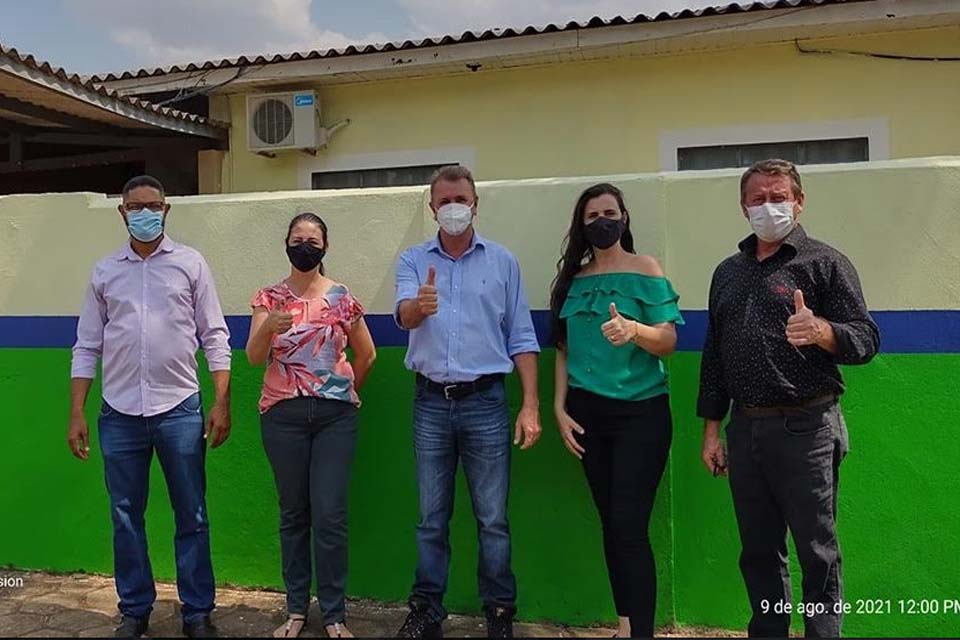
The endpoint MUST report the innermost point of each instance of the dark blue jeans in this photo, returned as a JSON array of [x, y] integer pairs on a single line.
[[476, 431], [310, 443], [128, 444]]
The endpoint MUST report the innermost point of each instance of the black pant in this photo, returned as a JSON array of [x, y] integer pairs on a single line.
[[784, 473], [310, 443], [626, 447]]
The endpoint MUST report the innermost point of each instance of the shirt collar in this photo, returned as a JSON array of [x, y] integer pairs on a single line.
[[476, 241], [795, 240], [127, 253]]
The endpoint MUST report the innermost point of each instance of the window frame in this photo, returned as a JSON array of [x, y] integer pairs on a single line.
[[875, 130], [324, 163]]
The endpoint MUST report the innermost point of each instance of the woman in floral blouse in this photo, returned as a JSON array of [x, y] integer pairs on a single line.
[[300, 329]]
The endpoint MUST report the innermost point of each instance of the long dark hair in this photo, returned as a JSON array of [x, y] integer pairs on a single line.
[[313, 219], [576, 251]]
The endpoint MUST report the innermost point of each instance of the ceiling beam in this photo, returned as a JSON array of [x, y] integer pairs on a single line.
[[49, 115], [113, 138], [97, 158], [72, 162], [8, 126], [16, 148], [105, 140]]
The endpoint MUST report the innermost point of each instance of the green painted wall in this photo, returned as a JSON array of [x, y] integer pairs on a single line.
[[62, 518], [898, 519]]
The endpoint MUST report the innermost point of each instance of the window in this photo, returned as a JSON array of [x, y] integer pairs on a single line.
[[726, 156], [380, 177]]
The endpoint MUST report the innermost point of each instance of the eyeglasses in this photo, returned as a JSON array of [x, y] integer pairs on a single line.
[[156, 207]]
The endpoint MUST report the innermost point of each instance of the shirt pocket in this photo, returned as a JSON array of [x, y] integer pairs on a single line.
[[174, 295], [491, 298]]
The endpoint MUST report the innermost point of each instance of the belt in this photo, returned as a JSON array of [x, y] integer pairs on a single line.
[[785, 411], [457, 390]]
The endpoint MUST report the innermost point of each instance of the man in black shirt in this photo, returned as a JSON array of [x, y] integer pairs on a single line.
[[784, 312]]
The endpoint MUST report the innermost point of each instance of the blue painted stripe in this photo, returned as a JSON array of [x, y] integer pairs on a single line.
[[900, 331]]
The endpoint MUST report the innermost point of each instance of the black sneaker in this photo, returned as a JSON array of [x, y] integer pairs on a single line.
[[499, 622], [131, 627], [419, 624], [199, 629]]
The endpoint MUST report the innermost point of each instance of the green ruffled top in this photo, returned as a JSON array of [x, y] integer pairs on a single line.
[[595, 365]]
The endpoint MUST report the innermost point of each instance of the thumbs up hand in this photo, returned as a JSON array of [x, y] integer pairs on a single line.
[[427, 300], [618, 330], [803, 328]]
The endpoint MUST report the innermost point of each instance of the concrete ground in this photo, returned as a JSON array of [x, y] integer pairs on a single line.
[[85, 606]]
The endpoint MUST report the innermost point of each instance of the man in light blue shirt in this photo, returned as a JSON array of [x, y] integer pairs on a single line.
[[461, 297]]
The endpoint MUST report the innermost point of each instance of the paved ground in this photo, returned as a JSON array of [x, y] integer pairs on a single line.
[[86, 606]]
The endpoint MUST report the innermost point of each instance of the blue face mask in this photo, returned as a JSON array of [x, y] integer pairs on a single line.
[[145, 225]]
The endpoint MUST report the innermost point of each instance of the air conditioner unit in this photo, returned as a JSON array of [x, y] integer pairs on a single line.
[[278, 121]]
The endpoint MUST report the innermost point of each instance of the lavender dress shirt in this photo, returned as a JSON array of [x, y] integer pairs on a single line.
[[146, 318]]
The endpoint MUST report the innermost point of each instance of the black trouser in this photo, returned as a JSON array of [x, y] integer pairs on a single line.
[[310, 443], [626, 446], [784, 473]]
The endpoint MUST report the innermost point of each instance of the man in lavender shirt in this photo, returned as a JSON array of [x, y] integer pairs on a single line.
[[145, 308]]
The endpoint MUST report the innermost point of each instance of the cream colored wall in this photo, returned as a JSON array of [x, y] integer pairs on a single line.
[[608, 117], [899, 222]]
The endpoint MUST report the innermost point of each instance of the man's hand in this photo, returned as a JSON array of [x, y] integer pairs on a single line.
[[427, 300], [78, 436], [804, 328], [714, 456], [618, 330], [278, 321], [568, 426], [528, 427], [218, 425]]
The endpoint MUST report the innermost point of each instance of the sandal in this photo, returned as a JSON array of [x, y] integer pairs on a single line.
[[338, 630], [292, 627]]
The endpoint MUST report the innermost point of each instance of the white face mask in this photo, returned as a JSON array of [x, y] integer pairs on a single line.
[[772, 221], [454, 218]]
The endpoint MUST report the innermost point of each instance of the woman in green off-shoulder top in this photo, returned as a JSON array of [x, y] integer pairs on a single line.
[[614, 314]]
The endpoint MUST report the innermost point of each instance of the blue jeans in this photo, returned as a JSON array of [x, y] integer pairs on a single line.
[[128, 444], [476, 431], [310, 443]]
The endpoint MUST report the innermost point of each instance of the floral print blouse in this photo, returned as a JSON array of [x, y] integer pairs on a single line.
[[310, 359]]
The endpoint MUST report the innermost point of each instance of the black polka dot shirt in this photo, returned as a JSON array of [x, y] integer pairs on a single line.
[[747, 359]]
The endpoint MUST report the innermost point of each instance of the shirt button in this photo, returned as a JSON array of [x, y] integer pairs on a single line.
[[589, 369]]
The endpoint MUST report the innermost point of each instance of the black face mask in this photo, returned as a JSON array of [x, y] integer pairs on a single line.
[[305, 257], [603, 233]]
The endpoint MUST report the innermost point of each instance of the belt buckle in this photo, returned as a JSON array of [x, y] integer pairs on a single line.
[[446, 391]]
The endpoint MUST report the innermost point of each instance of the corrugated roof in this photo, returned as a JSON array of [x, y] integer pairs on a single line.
[[467, 36], [49, 72]]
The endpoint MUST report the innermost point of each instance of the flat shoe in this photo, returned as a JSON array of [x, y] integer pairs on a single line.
[[292, 627]]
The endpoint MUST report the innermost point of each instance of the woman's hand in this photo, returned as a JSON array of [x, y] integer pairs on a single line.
[[568, 427], [619, 330], [278, 321]]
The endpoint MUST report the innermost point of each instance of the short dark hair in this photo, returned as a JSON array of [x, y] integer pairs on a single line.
[[142, 181], [452, 173], [773, 167]]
